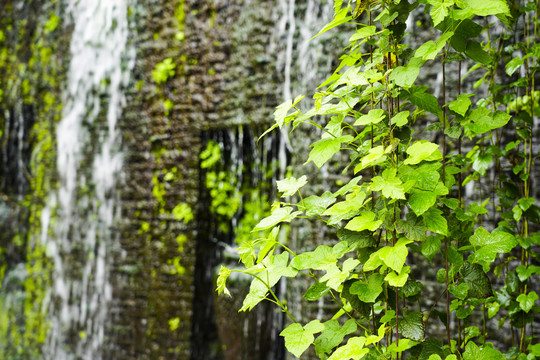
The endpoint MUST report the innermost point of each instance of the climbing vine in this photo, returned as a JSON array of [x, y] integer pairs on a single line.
[[405, 197]]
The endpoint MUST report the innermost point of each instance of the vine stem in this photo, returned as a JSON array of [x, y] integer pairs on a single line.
[[444, 182]]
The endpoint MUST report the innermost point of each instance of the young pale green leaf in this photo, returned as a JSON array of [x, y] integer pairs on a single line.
[[398, 280], [351, 185], [525, 272], [324, 149], [316, 205], [435, 222], [392, 256], [334, 277], [366, 221], [420, 201], [477, 281], [526, 302], [351, 205], [374, 157], [485, 8], [404, 76], [389, 185], [439, 10], [332, 335], [363, 32], [401, 118], [513, 65], [411, 326], [281, 111], [368, 292], [222, 280], [461, 104], [321, 259], [290, 186], [422, 150], [488, 245], [274, 268], [284, 214], [354, 349], [374, 116], [298, 338]]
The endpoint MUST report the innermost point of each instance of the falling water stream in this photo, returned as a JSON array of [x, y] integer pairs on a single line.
[[89, 165]]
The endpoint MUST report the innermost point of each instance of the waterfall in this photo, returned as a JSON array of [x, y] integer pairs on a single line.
[[80, 240]]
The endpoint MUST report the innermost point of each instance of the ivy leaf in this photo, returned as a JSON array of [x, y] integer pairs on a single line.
[[321, 259], [374, 116], [435, 222], [274, 268], [366, 221], [488, 245], [422, 150], [411, 326], [392, 256], [298, 338], [334, 277], [283, 214], [316, 205], [316, 291], [290, 186], [324, 149], [460, 291], [222, 281], [354, 349], [389, 185], [404, 76], [368, 292], [476, 279], [461, 104], [420, 201], [333, 335], [524, 272], [526, 302]]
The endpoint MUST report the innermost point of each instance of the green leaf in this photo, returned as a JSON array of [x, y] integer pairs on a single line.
[[278, 215], [363, 32], [420, 201], [340, 18], [485, 8], [435, 222], [316, 205], [473, 352], [488, 245], [334, 277], [368, 292], [222, 280], [273, 269], [374, 116], [321, 259], [513, 65], [404, 76], [389, 185], [290, 186], [525, 272], [332, 335], [375, 156], [281, 111], [422, 150], [366, 221], [401, 118], [298, 338], [411, 326], [475, 52], [413, 227], [324, 149], [476, 279], [460, 291], [392, 256], [352, 184], [351, 204], [526, 302], [398, 280], [482, 120], [354, 349], [461, 104], [316, 291], [431, 246], [439, 10], [360, 240]]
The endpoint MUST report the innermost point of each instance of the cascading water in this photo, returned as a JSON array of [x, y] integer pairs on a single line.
[[79, 238]]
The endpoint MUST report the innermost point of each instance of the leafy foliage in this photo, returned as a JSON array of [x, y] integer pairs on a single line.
[[404, 198]]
